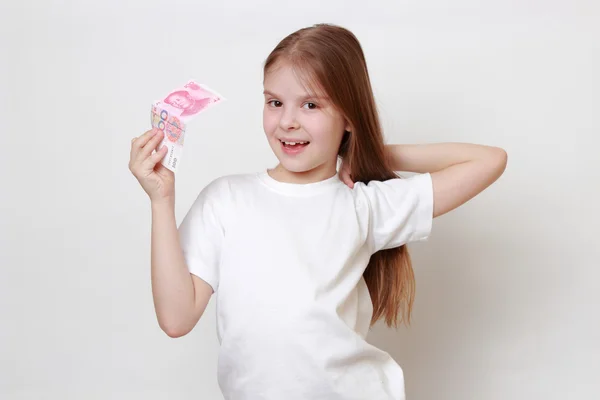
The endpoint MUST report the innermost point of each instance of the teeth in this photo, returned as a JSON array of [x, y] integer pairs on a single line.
[[293, 143]]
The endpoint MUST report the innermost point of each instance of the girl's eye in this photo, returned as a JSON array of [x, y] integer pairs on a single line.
[[312, 106], [275, 103]]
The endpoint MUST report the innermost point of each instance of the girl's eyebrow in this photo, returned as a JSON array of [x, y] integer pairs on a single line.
[[306, 96]]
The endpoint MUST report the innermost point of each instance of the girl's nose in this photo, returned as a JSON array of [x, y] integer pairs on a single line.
[[288, 121]]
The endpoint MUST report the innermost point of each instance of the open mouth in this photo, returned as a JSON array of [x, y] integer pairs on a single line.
[[294, 146]]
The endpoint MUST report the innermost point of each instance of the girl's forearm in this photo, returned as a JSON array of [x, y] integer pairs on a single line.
[[172, 287], [434, 157]]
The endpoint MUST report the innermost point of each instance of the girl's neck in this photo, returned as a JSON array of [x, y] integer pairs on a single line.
[[318, 174]]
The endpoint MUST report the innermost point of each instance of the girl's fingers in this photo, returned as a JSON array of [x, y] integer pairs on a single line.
[[151, 144], [348, 182], [345, 175], [141, 141], [138, 142], [156, 157]]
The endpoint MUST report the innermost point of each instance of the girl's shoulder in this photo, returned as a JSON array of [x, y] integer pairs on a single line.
[[395, 195], [399, 210]]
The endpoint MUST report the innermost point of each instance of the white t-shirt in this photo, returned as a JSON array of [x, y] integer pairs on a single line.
[[286, 263]]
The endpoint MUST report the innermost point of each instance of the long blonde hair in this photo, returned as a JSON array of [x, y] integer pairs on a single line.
[[333, 59]]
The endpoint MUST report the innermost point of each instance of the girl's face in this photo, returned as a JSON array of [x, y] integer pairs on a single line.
[[290, 116]]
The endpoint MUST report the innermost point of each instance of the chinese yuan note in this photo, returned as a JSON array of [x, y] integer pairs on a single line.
[[172, 114]]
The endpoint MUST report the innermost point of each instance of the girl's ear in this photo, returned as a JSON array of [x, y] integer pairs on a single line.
[[348, 128]]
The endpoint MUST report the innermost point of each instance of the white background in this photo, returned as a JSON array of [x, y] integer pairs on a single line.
[[507, 302]]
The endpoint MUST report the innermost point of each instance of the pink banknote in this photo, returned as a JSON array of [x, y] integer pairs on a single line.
[[187, 101], [172, 114]]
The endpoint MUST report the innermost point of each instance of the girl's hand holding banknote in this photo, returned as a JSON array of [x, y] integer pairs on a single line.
[[156, 180]]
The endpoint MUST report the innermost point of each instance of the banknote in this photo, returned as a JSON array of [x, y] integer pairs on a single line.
[[175, 111]]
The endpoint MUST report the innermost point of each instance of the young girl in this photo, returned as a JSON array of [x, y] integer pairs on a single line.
[[304, 258]]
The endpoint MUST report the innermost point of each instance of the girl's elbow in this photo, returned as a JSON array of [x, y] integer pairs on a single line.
[[497, 160], [501, 160], [174, 332], [502, 156], [174, 329]]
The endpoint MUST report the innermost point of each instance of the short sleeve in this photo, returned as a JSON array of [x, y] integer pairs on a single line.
[[201, 236], [401, 211]]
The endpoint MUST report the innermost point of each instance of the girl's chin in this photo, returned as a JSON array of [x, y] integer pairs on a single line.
[[296, 168], [303, 168]]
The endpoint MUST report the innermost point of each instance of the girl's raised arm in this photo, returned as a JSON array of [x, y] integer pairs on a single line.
[[459, 171]]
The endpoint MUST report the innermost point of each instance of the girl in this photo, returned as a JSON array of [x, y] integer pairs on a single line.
[[304, 259]]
